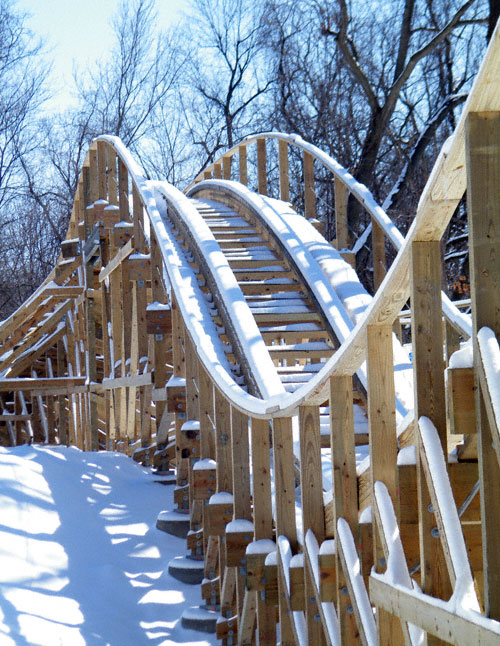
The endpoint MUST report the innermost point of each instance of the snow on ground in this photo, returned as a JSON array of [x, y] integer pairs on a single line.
[[81, 562]]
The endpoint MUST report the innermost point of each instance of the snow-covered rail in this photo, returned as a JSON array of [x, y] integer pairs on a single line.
[[218, 332]]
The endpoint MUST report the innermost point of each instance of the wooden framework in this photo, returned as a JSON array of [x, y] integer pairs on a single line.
[[110, 353]]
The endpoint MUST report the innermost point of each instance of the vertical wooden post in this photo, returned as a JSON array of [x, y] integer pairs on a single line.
[[217, 171], [378, 246], [284, 487], [242, 152], [309, 193], [261, 167], [383, 448], [223, 458], [345, 494], [240, 456], [428, 371], [102, 171], [160, 343], [262, 517], [241, 464], [93, 175], [63, 416], [112, 177], [341, 200], [313, 518], [123, 202], [483, 203], [206, 397], [226, 167], [283, 169]]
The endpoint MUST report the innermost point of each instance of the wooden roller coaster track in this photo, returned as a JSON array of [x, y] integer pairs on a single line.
[[338, 489]]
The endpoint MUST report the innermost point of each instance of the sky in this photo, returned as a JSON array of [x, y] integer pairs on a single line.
[[79, 31]]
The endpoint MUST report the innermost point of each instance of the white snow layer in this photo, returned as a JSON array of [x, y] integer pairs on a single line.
[[81, 562]]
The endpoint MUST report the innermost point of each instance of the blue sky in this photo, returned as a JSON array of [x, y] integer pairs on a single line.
[[79, 31]]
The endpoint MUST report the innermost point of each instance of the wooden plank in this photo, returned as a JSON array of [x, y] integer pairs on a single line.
[[226, 167], [283, 171], [311, 487], [261, 471], [341, 228], [483, 199], [379, 261], [240, 456], [261, 167], [284, 479], [223, 443], [242, 160], [439, 620], [427, 337], [383, 445], [430, 400], [123, 253], [381, 408], [345, 494], [309, 192], [102, 170]]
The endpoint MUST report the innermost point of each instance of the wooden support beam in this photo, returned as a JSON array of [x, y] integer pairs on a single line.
[[379, 261], [341, 228], [242, 160], [283, 170], [345, 494], [430, 400], [311, 487], [261, 167], [226, 167], [483, 199], [309, 192]]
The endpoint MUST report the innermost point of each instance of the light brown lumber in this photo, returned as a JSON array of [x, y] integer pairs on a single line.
[[223, 443], [206, 399], [123, 200], [284, 479], [42, 383], [309, 194], [378, 246], [311, 472], [123, 253], [240, 457], [430, 399], [438, 619], [283, 170], [262, 517], [383, 446], [242, 160], [246, 625], [226, 167], [483, 181], [261, 470], [345, 494], [102, 168], [341, 200], [112, 176], [36, 334], [261, 167]]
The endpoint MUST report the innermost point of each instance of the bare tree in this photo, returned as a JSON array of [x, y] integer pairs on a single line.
[[123, 95], [228, 73]]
